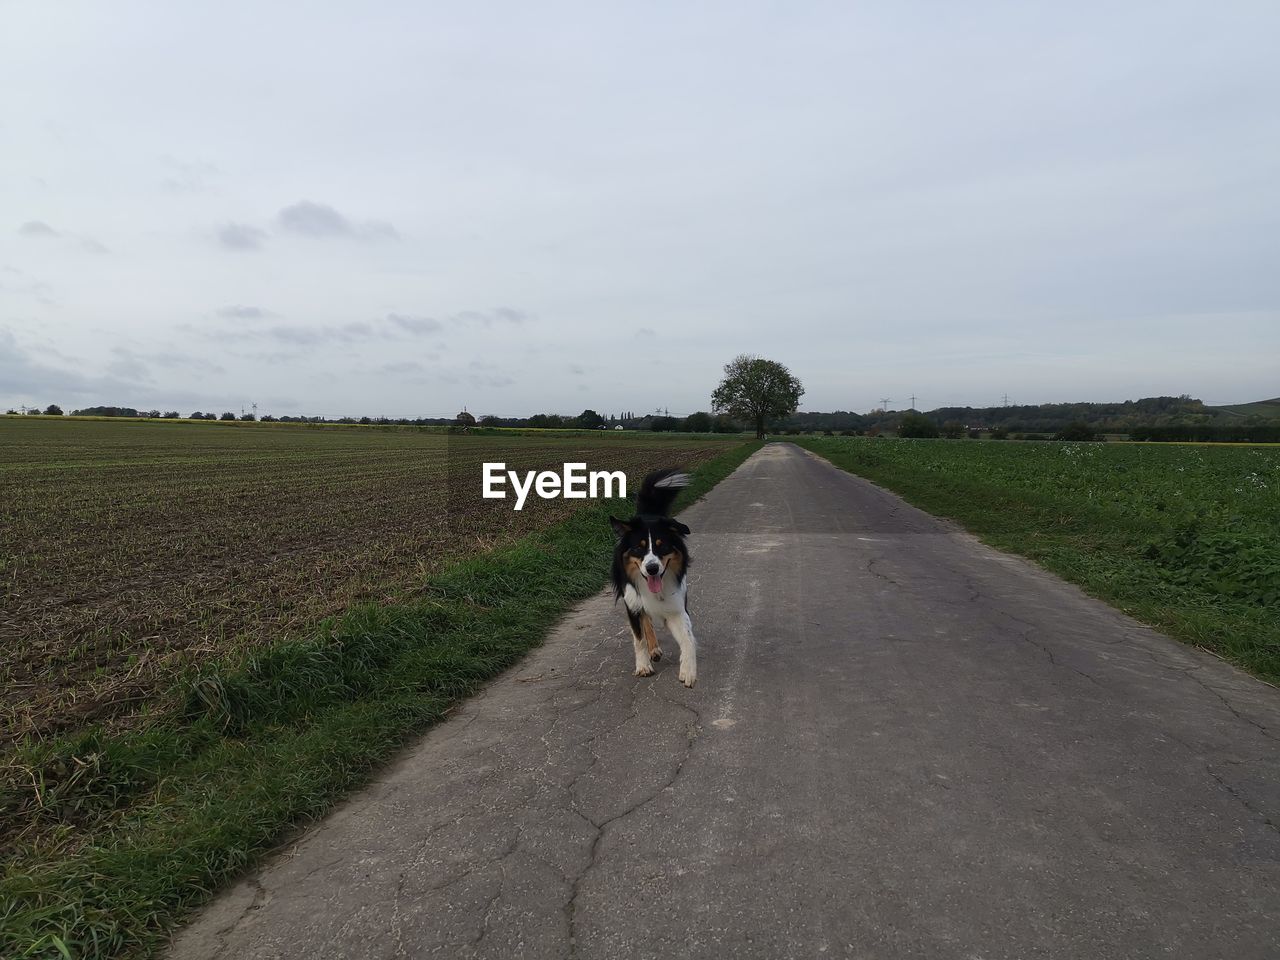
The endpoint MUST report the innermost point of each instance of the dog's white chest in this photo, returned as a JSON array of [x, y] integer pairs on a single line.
[[668, 603]]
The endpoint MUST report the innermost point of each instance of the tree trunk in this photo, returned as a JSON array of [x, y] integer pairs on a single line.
[[760, 426]]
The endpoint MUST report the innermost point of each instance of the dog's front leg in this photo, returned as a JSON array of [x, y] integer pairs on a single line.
[[638, 622], [681, 628]]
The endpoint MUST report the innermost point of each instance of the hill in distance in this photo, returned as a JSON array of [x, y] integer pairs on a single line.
[[1267, 409]]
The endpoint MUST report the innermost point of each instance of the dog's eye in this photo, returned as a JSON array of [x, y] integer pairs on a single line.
[[658, 543]]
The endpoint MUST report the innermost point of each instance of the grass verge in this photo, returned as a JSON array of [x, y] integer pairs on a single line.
[[1184, 543], [120, 836]]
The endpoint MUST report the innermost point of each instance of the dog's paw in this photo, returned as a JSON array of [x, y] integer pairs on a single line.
[[644, 671], [657, 653], [688, 678]]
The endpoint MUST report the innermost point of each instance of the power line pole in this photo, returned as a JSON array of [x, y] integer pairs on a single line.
[[913, 401], [884, 404], [1006, 399]]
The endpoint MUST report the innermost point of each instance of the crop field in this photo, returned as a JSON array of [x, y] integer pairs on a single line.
[[210, 632], [133, 551], [1184, 537]]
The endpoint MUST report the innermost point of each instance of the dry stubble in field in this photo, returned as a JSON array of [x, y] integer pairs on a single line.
[[131, 551]]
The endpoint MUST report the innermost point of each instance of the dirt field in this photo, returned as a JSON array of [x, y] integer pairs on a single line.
[[131, 551]]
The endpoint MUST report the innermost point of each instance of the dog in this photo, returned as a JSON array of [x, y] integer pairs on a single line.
[[650, 565]]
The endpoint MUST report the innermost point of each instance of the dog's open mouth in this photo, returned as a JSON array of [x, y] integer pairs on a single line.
[[655, 584]]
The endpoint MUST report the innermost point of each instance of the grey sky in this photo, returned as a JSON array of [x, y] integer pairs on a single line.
[[404, 208]]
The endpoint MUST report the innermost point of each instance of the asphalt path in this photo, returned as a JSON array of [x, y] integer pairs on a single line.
[[902, 743]]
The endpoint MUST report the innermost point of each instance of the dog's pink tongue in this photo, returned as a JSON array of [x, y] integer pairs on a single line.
[[655, 584]]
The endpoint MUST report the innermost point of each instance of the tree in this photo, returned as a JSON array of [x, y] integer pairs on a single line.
[[756, 390], [228, 415], [589, 419], [953, 429], [172, 415], [917, 426], [465, 419], [53, 410], [699, 422], [664, 424], [248, 417], [1078, 430]]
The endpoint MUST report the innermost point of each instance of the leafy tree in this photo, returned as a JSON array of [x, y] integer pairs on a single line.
[[33, 412], [953, 429], [917, 426], [228, 415], [589, 419], [465, 419], [664, 424], [268, 418], [999, 433], [53, 410], [756, 390], [248, 417], [699, 422], [198, 415], [1077, 430], [172, 415]]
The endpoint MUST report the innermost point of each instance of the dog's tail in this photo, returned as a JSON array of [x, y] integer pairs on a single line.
[[659, 490]]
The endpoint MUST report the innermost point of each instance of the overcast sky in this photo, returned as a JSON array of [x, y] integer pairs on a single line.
[[407, 208]]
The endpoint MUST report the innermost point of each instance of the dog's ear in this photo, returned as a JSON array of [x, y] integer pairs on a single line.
[[679, 527], [620, 528]]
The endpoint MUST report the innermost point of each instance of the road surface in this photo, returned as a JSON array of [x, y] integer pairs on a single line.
[[902, 744]]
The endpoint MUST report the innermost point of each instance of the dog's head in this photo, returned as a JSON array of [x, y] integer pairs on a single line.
[[650, 548]]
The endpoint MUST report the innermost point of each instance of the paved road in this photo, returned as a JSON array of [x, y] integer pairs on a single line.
[[902, 744]]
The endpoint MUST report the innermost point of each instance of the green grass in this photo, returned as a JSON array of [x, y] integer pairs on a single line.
[[1186, 538], [126, 832]]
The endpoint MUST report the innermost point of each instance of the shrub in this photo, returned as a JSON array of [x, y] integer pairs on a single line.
[[916, 426], [1077, 430]]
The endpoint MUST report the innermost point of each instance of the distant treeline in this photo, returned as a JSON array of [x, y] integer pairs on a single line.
[[1046, 418], [1151, 418], [1210, 433]]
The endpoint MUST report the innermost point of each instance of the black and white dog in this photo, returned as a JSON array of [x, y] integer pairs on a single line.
[[650, 561]]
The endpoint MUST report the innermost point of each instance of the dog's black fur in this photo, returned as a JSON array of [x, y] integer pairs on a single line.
[[652, 503]]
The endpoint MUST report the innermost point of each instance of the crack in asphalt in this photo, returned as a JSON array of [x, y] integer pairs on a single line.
[[692, 732], [1239, 797]]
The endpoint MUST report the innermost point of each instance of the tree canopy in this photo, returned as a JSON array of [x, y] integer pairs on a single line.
[[756, 390]]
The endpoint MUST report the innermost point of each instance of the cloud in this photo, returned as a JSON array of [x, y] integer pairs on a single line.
[[490, 380], [186, 177], [37, 228], [129, 367], [241, 236], [321, 220], [487, 318], [417, 325], [244, 312]]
